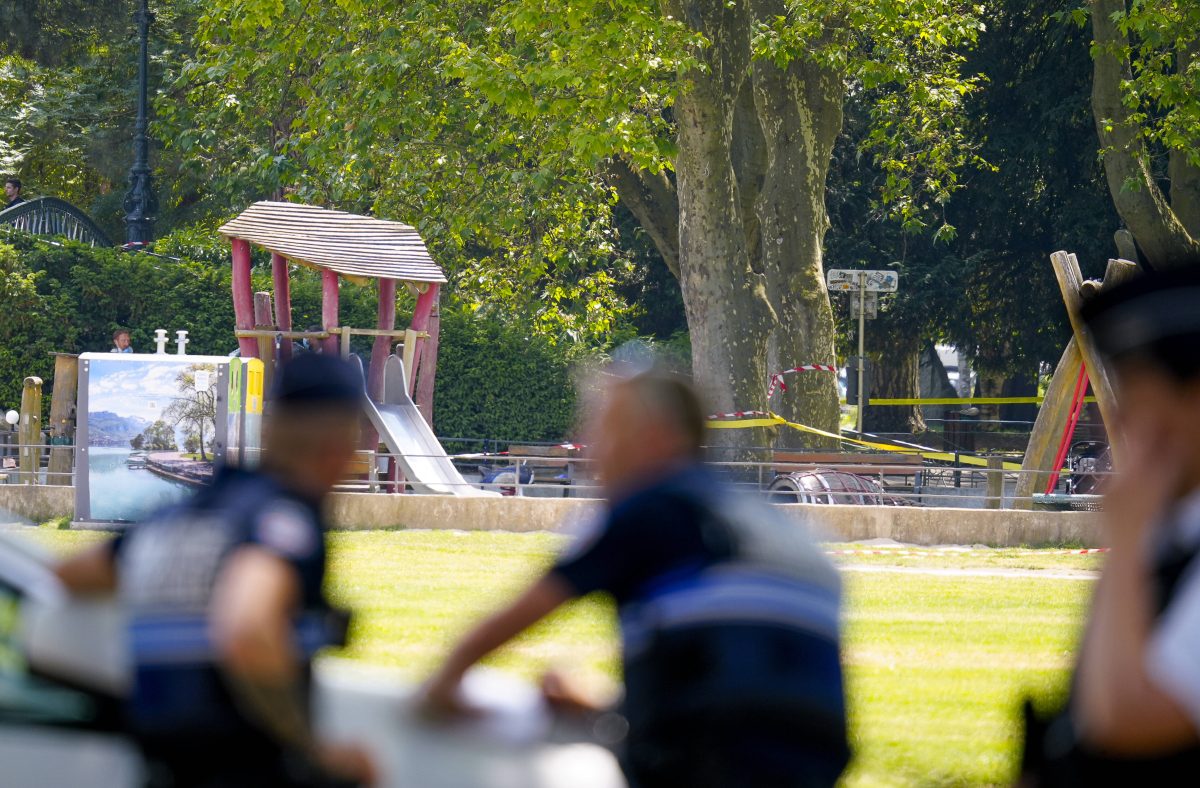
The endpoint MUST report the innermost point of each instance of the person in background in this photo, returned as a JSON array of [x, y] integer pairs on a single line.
[[225, 602], [121, 342], [1133, 715], [729, 614], [12, 192]]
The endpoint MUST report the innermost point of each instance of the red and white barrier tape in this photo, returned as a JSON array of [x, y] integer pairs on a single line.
[[740, 414], [777, 378]]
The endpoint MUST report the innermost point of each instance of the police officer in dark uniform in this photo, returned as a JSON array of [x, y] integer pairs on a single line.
[[224, 597], [729, 614], [1133, 717]]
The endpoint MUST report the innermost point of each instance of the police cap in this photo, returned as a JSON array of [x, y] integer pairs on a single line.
[[314, 380], [1154, 318]]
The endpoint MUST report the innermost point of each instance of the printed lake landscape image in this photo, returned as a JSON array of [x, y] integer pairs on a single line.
[[151, 434]]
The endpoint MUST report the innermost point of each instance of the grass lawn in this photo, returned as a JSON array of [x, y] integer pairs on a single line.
[[937, 665]]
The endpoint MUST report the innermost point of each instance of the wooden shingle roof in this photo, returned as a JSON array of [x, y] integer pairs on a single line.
[[357, 247]]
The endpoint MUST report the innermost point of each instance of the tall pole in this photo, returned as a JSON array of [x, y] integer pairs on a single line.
[[140, 203], [862, 324]]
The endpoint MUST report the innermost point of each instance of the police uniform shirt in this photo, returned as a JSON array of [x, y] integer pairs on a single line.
[[652, 532], [729, 624], [168, 567], [1173, 659]]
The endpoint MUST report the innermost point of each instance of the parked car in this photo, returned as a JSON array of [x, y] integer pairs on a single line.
[[830, 486]]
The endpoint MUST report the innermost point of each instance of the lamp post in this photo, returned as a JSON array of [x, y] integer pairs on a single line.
[[140, 203]]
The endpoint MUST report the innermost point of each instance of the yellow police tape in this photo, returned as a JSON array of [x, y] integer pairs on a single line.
[[778, 421], [964, 401]]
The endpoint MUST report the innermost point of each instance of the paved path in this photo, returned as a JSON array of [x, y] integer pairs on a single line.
[[999, 571]]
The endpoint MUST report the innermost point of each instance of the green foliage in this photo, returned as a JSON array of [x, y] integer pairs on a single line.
[[1162, 45], [990, 290], [159, 436], [33, 322], [496, 379], [498, 382], [67, 95], [903, 62], [361, 106]]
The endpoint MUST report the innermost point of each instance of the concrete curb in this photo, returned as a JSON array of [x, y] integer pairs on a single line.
[[366, 511], [921, 526], [913, 525], [910, 524], [38, 503]]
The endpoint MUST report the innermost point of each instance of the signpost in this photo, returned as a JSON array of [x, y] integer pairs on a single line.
[[862, 282]]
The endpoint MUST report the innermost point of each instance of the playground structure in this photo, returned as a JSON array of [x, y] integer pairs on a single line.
[[1079, 367], [398, 398]]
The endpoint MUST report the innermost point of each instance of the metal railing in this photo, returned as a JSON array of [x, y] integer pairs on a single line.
[[54, 217], [924, 483]]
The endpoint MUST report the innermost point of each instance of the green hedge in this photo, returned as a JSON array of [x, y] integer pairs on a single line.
[[497, 381], [494, 380]]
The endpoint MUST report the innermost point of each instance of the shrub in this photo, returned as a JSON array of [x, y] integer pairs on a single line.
[[494, 380]]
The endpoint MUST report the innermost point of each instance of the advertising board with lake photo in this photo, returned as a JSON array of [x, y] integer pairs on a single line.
[[151, 427]]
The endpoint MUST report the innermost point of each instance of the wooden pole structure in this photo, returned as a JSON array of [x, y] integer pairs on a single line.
[[1070, 282], [995, 482], [29, 435], [329, 308], [62, 418], [243, 296], [1052, 416], [379, 355], [266, 345], [283, 302], [1047, 429], [427, 368], [382, 347], [422, 317]]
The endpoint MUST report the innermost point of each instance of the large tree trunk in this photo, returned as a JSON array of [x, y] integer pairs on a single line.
[[799, 109], [728, 314], [1159, 230], [896, 356], [744, 225]]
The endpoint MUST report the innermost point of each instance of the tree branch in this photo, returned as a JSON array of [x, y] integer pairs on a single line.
[[1138, 199], [1185, 177], [653, 202]]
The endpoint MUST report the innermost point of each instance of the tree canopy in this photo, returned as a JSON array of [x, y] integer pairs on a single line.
[[590, 170], [1146, 102]]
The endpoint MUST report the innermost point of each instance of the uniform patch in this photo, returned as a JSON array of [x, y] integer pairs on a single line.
[[288, 530]]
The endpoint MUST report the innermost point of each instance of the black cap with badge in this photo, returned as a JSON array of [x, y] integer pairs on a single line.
[[1154, 318]]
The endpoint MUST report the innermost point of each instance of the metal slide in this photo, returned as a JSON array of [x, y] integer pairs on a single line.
[[403, 430]]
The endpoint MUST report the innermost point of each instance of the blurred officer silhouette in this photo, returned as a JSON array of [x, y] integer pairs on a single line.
[[729, 614], [224, 596], [1133, 717]]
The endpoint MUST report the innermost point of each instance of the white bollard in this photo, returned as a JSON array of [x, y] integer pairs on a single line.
[[181, 341], [160, 339]]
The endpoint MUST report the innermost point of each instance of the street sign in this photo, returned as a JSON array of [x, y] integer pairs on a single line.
[[871, 302], [876, 281]]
